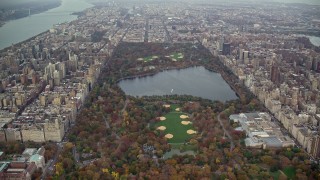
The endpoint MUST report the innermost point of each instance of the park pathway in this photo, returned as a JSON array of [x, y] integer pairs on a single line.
[[235, 163], [226, 133]]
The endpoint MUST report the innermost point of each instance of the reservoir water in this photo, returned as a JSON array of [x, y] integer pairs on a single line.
[[314, 40], [19, 30], [195, 81]]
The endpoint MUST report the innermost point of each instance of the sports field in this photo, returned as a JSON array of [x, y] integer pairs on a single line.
[[148, 59], [176, 126], [176, 56]]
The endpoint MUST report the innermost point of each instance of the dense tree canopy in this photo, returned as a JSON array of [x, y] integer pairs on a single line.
[[112, 128]]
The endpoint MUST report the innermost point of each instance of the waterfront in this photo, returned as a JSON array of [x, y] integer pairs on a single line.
[[195, 81], [19, 30], [46, 96]]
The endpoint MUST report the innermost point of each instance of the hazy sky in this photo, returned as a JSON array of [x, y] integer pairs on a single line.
[[314, 2], [6, 3], [292, 1]]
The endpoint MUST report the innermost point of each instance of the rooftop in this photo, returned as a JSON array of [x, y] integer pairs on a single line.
[[29, 151]]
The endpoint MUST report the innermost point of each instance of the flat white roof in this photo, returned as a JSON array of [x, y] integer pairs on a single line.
[[15, 170]]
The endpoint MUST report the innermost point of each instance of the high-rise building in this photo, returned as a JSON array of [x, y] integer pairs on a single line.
[[241, 54], [315, 64], [54, 129], [275, 74], [13, 134], [56, 78], [35, 78], [1, 89], [246, 55], [49, 70], [314, 84], [73, 63], [295, 98], [62, 69], [221, 42], [308, 63], [24, 79], [315, 146], [226, 49], [43, 99], [32, 132], [2, 135]]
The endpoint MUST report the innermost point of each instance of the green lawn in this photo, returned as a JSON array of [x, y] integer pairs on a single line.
[[176, 56], [149, 58], [290, 172], [173, 107], [173, 126], [275, 175]]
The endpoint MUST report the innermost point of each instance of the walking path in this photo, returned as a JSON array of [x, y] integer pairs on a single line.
[[227, 133]]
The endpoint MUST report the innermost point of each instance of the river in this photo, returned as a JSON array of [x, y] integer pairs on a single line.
[[195, 81], [19, 30]]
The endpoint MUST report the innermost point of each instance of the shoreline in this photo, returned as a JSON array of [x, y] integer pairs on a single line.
[[34, 11], [153, 73], [21, 42], [314, 40], [181, 68], [77, 14]]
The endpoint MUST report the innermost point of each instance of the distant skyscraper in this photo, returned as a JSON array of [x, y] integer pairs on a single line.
[[275, 74], [56, 77], [315, 63], [246, 54], [62, 69], [241, 54], [226, 49], [221, 42]]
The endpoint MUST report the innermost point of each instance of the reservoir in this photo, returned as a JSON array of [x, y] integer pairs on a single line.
[[314, 40], [195, 81], [19, 30]]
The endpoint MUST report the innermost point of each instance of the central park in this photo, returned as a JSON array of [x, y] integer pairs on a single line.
[[170, 133]]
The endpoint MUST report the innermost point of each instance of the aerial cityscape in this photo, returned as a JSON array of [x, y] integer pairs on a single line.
[[149, 89]]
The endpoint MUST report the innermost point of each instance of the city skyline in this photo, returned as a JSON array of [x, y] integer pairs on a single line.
[[162, 90]]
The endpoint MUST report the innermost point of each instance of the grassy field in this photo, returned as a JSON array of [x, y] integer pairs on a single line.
[[290, 172], [275, 175], [149, 58], [173, 107], [173, 126], [176, 56]]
